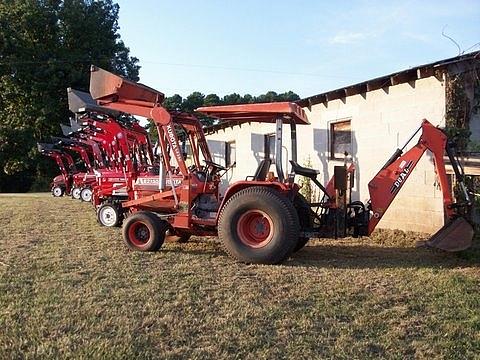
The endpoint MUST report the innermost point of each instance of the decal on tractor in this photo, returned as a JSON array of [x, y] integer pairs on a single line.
[[397, 184]]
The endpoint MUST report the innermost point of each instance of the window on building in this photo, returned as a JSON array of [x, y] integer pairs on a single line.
[[230, 153], [340, 139], [269, 146]]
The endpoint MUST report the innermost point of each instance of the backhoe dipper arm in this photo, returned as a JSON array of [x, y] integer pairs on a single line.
[[385, 186]]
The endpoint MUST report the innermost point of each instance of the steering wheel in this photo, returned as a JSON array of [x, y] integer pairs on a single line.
[[214, 165]]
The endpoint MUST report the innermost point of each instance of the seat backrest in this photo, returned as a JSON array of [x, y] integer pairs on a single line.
[[262, 170]]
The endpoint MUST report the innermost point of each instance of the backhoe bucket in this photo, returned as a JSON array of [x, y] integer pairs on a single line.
[[457, 235]]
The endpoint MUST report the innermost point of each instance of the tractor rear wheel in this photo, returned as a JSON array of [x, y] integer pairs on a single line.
[[86, 194], [109, 215], [258, 225], [144, 231], [76, 193], [58, 191]]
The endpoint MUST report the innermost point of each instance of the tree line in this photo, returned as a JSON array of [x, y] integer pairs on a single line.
[[197, 99]]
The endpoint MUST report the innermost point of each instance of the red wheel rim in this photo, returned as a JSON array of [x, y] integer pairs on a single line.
[[255, 228], [139, 233]]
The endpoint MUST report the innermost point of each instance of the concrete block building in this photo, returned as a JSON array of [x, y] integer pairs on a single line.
[[369, 120]]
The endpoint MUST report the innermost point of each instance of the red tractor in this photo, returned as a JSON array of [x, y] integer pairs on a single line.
[[82, 181], [61, 184], [263, 219], [128, 161]]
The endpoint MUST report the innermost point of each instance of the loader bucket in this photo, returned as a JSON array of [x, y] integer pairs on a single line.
[[66, 130], [75, 125], [110, 87], [80, 102], [454, 236]]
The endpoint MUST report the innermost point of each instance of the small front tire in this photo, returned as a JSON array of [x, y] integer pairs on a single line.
[[86, 194], [76, 193], [109, 215], [58, 191], [144, 231]]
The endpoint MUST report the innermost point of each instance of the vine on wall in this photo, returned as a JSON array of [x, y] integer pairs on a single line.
[[460, 107], [457, 115]]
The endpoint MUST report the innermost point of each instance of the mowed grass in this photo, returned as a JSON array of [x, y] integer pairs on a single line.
[[70, 288]]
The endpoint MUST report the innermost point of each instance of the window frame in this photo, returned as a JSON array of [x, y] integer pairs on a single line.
[[228, 153], [331, 139], [266, 146]]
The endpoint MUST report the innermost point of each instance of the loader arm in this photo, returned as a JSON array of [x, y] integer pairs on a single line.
[[114, 92], [385, 186], [60, 158], [83, 154]]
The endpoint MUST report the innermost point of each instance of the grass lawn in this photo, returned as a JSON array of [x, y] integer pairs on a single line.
[[70, 288]]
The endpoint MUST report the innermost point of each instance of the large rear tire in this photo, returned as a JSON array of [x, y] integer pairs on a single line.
[[304, 211], [258, 225], [144, 231]]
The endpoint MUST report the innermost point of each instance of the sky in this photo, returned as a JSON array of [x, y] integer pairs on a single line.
[[307, 46]]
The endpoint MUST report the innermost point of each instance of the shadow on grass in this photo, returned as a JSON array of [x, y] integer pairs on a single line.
[[379, 257], [351, 256]]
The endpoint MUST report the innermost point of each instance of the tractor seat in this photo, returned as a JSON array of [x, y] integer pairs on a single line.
[[307, 172], [262, 170]]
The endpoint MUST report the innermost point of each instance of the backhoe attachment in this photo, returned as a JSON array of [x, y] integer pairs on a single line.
[[457, 234]]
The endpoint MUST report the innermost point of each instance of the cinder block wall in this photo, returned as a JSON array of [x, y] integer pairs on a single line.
[[381, 121]]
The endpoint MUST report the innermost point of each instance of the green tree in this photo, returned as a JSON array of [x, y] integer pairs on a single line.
[[211, 100], [173, 102], [232, 99], [288, 96], [248, 99], [193, 101], [45, 47]]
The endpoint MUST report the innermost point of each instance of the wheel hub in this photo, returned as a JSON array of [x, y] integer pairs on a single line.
[[255, 228], [139, 233]]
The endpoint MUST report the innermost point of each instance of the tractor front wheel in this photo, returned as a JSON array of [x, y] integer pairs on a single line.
[[259, 225], [86, 194], [144, 231], [76, 193], [58, 191], [109, 215]]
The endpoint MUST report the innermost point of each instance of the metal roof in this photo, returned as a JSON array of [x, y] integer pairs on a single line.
[[422, 71], [231, 115]]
